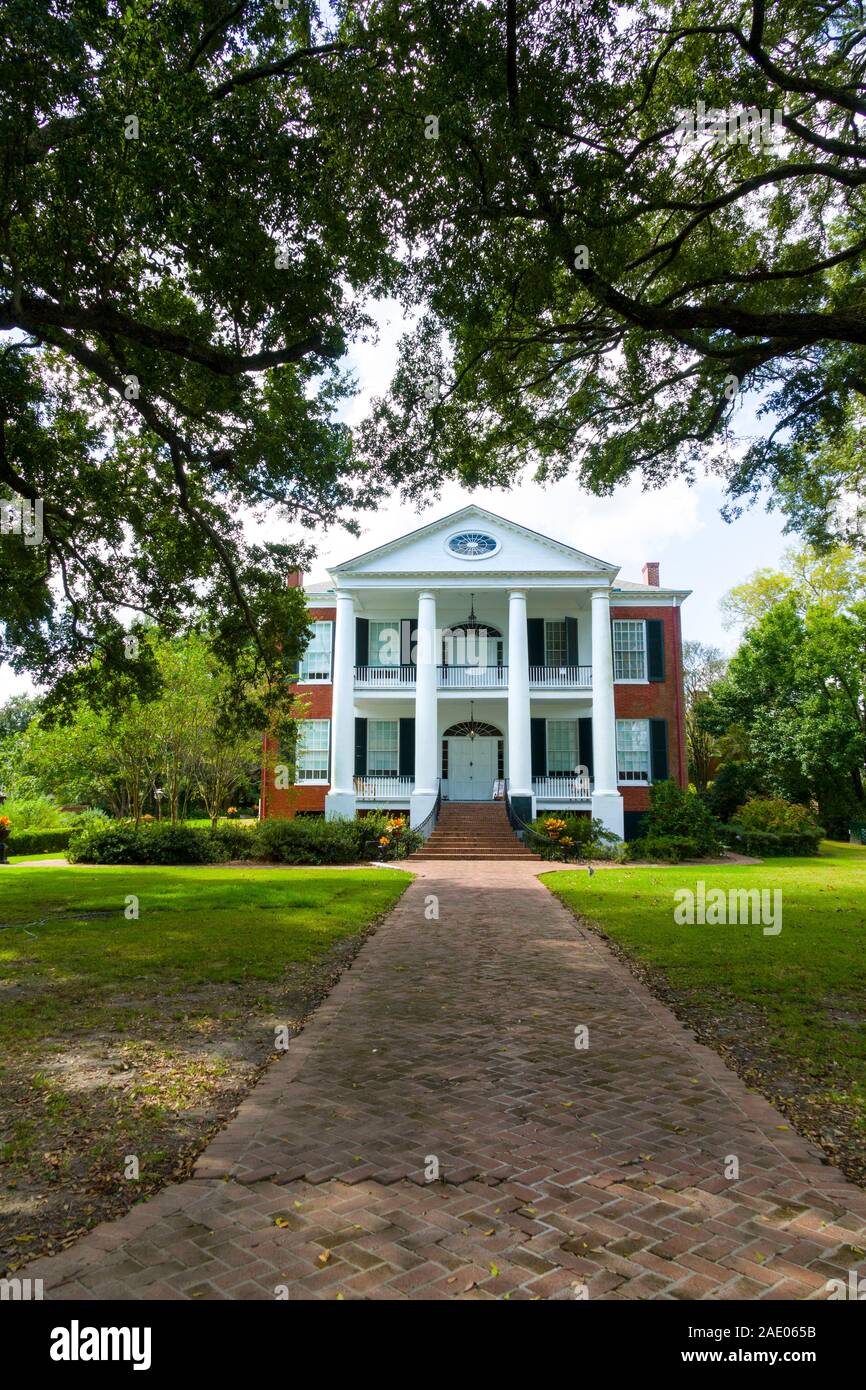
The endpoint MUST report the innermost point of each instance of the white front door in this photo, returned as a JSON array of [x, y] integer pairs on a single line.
[[471, 768]]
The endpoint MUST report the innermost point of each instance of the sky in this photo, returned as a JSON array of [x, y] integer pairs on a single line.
[[678, 525]]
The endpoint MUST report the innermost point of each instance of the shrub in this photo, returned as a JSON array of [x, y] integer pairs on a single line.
[[734, 783], [299, 841], [306, 842], [38, 841], [121, 842], [388, 837], [776, 815], [764, 844], [573, 837], [769, 825], [680, 815], [233, 841], [35, 813], [670, 849]]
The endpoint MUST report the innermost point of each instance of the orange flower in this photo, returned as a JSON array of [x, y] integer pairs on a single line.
[[232, 811], [384, 840], [5, 822]]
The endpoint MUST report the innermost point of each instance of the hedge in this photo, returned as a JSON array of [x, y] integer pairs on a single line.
[[298, 841], [39, 841], [669, 849], [762, 844]]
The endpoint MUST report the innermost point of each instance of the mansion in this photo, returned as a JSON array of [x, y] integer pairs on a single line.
[[475, 652]]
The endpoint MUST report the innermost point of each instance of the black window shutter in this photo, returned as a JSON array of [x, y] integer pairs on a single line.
[[360, 747], [408, 630], [655, 649], [362, 642], [535, 641], [658, 749], [538, 746], [584, 744], [407, 748], [571, 641]]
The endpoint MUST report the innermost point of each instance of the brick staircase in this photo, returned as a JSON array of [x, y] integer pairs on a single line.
[[473, 830]]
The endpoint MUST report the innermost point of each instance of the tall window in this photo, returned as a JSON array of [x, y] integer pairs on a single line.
[[555, 646], [312, 755], [382, 756], [384, 642], [316, 661], [633, 750], [629, 649], [562, 745]]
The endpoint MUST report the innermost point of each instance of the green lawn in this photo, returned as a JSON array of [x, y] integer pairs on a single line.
[[30, 858], [122, 1036], [789, 1011]]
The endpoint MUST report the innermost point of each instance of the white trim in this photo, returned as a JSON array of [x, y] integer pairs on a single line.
[[320, 680]]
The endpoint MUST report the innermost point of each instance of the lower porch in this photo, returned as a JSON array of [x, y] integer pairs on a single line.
[[560, 791]]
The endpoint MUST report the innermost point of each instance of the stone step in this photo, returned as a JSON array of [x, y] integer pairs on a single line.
[[477, 854]]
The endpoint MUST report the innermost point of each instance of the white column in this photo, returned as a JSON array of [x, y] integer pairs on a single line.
[[519, 747], [606, 798], [340, 800], [426, 711]]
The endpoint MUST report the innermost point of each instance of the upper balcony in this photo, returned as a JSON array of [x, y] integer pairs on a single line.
[[381, 678]]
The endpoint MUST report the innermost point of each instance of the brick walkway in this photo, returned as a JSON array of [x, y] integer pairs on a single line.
[[560, 1169]]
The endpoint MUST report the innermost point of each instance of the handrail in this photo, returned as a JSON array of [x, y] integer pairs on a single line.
[[520, 827], [428, 824]]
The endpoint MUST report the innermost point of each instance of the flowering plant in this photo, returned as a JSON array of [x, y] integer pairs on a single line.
[[232, 811], [5, 823], [554, 826]]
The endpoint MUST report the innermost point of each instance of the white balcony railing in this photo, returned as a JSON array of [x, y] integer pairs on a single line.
[[383, 788], [567, 787], [385, 677], [473, 677], [561, 677]]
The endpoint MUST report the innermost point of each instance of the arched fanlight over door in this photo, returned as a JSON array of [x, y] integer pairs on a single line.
[[473, 728]]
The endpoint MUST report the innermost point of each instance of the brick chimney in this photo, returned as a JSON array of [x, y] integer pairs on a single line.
[[295, 579], [651, 573]]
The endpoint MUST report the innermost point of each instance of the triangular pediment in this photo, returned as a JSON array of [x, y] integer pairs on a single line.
[[474, 541]]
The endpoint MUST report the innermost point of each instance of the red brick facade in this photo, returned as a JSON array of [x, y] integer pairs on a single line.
[[286, 802], [651, 700], [657, 699]]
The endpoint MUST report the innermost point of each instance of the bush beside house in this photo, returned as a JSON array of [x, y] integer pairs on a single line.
[[679, 826], [298, 841], [769, 825], [572, 837]]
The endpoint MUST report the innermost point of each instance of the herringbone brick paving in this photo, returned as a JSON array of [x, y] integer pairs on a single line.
[[562, 1170]]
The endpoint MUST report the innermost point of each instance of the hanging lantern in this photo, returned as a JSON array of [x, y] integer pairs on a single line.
[[472, 727]]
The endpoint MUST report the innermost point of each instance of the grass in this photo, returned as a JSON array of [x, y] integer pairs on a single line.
[[29, 858], [122, 1035], [787, 1010]]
